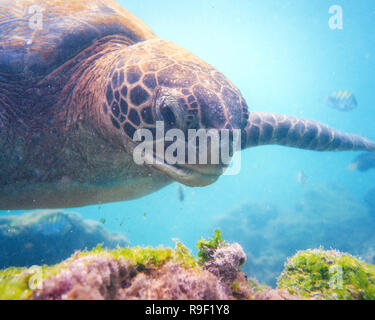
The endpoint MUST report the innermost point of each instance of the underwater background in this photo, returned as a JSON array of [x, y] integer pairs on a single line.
[[285, 59]]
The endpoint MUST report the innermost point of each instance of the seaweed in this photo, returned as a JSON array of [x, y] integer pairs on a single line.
[[207, 247], [328, 274], [21, 283]]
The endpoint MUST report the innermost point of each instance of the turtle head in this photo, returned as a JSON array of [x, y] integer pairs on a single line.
[[158, 86]]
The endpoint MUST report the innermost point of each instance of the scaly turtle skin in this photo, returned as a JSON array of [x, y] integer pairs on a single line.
[[73, 93]]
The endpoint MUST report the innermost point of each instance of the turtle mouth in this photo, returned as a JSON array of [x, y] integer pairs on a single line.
[[190, 175]]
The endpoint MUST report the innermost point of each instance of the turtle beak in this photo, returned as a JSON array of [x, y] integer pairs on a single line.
[[199, 172], [191, 176]]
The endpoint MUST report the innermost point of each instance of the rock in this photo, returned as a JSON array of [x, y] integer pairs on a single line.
[[226, 262], [48, 237]]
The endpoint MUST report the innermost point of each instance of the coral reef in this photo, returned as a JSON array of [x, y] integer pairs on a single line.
[[47, 237], [324, 216], [320, 274]]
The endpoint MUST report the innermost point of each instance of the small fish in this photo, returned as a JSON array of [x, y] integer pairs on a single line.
[[342, 100], [53, 224], [102, 220], [364, 162], [181, 194], [145, 215], [302, 178]]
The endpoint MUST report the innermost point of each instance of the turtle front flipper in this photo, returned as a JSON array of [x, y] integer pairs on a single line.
[[267, 128]]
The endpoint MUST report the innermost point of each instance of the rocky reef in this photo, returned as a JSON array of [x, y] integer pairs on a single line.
[[141, 273], [330, 275], [146, 273], [48, 237]]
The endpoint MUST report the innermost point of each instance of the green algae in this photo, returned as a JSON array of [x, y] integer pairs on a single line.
[[14, 284], [207, 247], [183, 255], [20, 283], [322, 274], [257, 286], [311, 274], [147, 257]]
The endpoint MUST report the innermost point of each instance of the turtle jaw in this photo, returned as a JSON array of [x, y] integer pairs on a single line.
[[189, 176]]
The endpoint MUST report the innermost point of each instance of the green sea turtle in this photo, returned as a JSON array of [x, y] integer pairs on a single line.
[[78, 78]]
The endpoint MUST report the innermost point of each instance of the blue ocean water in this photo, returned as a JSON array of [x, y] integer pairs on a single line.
[[285, 59]]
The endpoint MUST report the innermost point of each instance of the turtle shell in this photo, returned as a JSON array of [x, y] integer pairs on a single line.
[[41, 36]]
